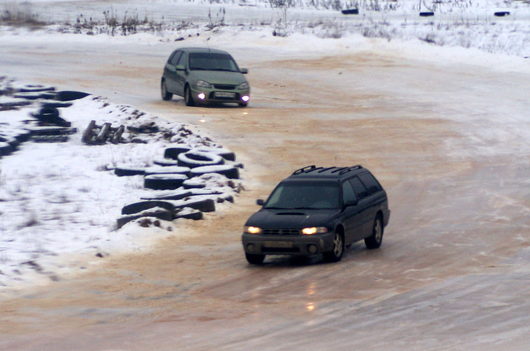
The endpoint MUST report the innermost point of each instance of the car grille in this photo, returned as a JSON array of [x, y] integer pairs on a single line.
[[224, 87], [288, 231]]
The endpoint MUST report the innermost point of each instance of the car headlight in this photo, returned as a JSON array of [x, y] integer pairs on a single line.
[[252, 230], [203, 84], [314, 230], [243, 85]]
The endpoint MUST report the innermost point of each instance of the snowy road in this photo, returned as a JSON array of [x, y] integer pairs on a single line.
[[448, 139]]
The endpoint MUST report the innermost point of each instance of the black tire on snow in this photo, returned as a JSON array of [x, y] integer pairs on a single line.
[[145, 205], [501, 13], [190, 184], [164, 182], [203, 205], [174, 152], [350, 12], [5, 149], [126, 171], [426, 13], [35, 89], [228, 171], [166, 162], [44, 130], [194, 159], [50, 138], [70, 95], [195, 215], [55, 104], [177, 196]]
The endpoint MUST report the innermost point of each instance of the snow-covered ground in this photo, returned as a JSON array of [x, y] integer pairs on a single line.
[[468, 24], [62, 199]]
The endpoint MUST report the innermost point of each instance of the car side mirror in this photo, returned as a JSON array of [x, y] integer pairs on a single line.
[[244, 70], [180, 67], [260, 202]]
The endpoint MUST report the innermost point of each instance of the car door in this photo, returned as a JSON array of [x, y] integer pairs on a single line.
[[181, 75], [170, 71], [375, 199], [352, 214], [363, 208]]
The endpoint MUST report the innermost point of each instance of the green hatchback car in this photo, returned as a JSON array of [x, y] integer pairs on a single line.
[[203, 75]]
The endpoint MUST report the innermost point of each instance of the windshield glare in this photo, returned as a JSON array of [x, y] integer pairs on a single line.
[[304, 195], [212, 62]]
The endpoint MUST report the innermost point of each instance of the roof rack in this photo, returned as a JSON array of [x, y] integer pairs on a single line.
[[339, 170], [305, 169]]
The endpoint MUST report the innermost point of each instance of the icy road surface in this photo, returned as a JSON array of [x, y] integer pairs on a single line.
[[447, 135]]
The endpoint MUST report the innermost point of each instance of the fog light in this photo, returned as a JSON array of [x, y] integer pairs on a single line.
[[201, 96], [251, 247], [245, 98], [312, 249]]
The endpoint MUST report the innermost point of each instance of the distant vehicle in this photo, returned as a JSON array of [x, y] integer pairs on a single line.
[[318, 210], [203, 75]]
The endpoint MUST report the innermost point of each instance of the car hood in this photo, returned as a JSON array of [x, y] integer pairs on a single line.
[[219, 77], [276, 219]]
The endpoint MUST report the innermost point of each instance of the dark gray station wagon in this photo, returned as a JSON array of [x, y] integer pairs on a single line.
[[318, 210], [203, 75]]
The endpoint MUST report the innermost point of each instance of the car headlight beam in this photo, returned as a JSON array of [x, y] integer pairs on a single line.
[[314, 230], [252, 230]]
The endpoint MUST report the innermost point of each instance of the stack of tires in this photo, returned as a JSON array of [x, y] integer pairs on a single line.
[[178, 184]]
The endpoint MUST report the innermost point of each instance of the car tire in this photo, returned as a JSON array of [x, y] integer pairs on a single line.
[[188, 99], [375, 240], [337, 251], [254, 258], [166, 95], [243, 104]]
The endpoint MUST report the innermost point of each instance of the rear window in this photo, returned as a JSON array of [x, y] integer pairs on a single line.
[[304, 195], [371, 184]]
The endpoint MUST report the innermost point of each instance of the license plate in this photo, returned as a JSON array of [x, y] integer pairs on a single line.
[[278, 244], [223, 94]]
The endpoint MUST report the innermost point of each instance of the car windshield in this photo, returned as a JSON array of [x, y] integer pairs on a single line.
[[304, 195], [212, 62]]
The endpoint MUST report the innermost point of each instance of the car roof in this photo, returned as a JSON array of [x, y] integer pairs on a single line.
[[204, 50], [329, 173]]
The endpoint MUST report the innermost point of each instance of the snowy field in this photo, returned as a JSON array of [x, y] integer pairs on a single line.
[[463, 23], [63, 199]]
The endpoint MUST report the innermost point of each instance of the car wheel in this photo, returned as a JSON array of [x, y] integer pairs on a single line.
[[188, 99], [337, 251], [166, 95], [243, 104], [255, 259], [375, 240]]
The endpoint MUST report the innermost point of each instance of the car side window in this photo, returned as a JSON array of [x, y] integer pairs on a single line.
[[348, 195], [175, 57], [359, 188], [371, 184], [182, 60]]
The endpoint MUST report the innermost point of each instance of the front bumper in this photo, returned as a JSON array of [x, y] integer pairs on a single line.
[[287, 244], [204, 95]]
